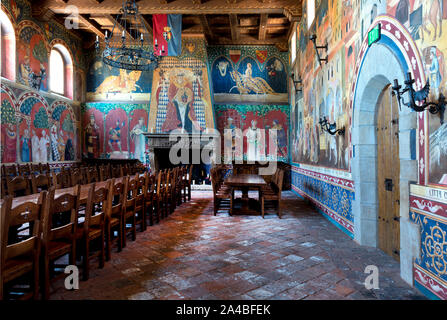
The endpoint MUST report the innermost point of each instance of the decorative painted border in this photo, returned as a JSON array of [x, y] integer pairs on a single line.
[[430, 282], [427, 206], [399, 35], [340, 182]]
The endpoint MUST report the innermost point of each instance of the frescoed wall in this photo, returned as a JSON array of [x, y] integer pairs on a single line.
[[413, 31], [37, 128], [249, 118], [181, 97], [114, 131], [248, 74]]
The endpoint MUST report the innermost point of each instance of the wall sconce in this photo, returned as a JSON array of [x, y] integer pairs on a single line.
[[330, 128], [419, 96], [297, 83], [313, 38]]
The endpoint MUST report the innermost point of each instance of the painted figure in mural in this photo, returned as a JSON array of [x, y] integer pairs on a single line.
[[231, 144], [25, 152], [281, 138], [35, 147], [253, 141], [180, 112], [43, 146], [69, 152], [115, 135], [10, 147], [431, 14], [92, 138], [245, 83], [140, 140], [434, 72], [61, 145], [54, 144], [25, 70]]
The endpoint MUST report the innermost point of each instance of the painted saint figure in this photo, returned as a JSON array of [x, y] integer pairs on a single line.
[[140, 140], [25, 151], [281, 138], [54, 144], [35, 147], [10, 147], [115, 135], [253, 141], [92, 138], [43, 147]]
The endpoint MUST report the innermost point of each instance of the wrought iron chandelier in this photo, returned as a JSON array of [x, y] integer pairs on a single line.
[[128, 46]]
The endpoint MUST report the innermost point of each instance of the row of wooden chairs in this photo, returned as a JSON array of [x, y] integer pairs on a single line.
[[58, 227], [35, 181]]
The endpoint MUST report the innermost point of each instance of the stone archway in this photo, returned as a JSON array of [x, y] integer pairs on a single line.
[[379, 65]]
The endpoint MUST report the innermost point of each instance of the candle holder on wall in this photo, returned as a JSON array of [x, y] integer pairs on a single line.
[[415, 97], [330, 128], [313, 38], [297, 83]]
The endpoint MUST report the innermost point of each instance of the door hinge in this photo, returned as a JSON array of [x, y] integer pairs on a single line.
[[396, 218]]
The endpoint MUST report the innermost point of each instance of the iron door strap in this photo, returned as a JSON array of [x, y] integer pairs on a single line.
[[389, 184]]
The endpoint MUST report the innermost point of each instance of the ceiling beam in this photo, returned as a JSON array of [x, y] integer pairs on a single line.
[[206, 27], [148, 26], [234, 27], [92, 26], [262, 26]]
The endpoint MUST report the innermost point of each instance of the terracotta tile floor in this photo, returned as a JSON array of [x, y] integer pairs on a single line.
[[195, 255]]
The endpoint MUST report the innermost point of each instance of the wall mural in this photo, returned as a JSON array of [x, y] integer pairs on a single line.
[[33, 130], [108, 83], [248, 74], [114, 131], [181, 97], [250, 118]]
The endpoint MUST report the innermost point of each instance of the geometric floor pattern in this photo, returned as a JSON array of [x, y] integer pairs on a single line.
[[195, 255]]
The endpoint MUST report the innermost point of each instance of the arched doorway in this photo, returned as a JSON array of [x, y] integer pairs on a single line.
[[397, 55]]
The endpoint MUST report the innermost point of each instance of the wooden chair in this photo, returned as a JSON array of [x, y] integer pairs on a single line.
[[61, 179], [8, 172], [40, 182], [104, 173], [93, 228], [149, 196], [130, 191], [161, 195], [60, 223], [21, 258], [140, 212], [220, 192], [187, 184], [18, 186], [116, 171], [36, 168], [76, 177], [114, 216], [92, 175], [24, 170], [45, 168], [272, 192]]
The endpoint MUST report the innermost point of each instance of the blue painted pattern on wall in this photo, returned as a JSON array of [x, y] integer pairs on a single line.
[[336, 200]]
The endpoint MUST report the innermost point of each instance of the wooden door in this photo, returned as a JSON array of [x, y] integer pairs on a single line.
[[388, 170]]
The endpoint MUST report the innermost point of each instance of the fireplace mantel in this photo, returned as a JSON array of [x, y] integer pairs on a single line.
[[189, 140]]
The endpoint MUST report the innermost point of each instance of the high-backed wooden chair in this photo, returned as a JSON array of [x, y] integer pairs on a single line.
[[104, 173], [129, 216], [116, 171], [161, 195], [140, 212], [220, 191], [61, 179], [114, 216], [149, 195], [272, 192], [18, 186], [40, 182], [60, 223], [93, 228], [24, 169], [36, 168], [20, 258], [45, 168], [92, 175], [9, 170], [76, 177], [187, 184]]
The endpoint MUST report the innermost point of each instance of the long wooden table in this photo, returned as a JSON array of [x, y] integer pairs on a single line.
[[245, 182], [83, 193]]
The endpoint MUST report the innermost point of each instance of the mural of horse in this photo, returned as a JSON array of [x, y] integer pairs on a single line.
[[246, 84]]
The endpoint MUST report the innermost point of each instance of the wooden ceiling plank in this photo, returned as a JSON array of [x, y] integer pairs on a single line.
[[262, 26], [93, 27], [234, 27]]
